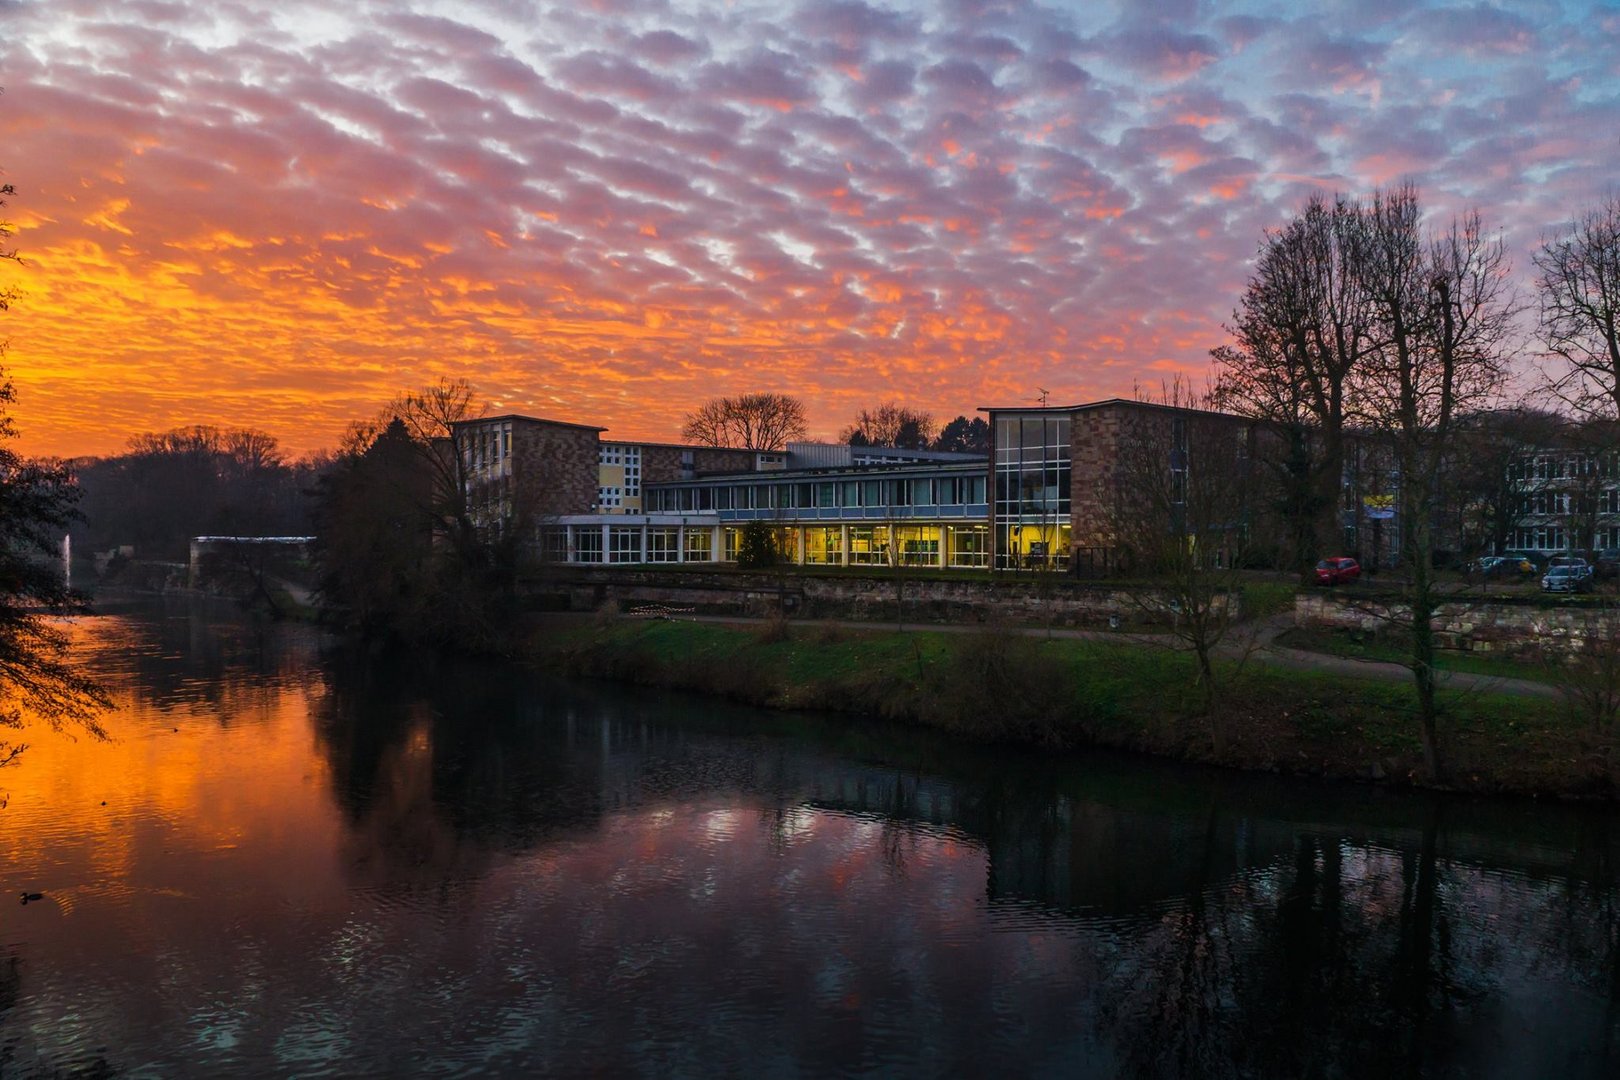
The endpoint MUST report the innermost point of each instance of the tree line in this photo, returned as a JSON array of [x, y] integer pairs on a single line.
[[167, 487], [769, 421]]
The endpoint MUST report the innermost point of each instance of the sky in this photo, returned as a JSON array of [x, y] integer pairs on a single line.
[[280, 215]]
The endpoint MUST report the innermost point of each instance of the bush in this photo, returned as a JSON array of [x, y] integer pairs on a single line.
[[773, 630], [1005, 685]]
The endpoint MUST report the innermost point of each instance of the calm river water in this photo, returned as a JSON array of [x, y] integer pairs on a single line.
[[292, 861]]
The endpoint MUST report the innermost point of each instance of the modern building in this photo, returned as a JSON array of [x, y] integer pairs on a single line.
[[1043, 486]]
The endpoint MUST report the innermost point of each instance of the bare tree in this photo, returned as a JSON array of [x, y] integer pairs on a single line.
[[763, 421], [1302, 332], [1181, 504], [429, 416], [1488, 474], [1579, 287], [891, 424], [1443, 313]]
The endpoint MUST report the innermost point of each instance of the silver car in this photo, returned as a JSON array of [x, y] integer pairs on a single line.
[[1567, 578]]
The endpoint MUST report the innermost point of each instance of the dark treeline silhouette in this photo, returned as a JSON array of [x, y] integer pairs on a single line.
[[168, 487], [399, 554]]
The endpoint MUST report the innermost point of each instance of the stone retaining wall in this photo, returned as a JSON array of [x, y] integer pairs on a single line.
[[1526, 628], [1060, 601]]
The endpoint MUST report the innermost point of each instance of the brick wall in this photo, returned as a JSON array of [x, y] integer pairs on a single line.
[[715, 459], [1094, 439], [554, 467], [662, 464]]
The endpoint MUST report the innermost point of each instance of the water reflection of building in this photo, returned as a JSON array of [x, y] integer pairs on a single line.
[[442, 768]]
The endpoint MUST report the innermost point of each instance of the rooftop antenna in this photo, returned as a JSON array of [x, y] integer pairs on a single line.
[[1042, 398]]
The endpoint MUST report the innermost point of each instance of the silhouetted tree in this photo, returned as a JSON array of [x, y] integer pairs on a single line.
[[1579, 287], [892, 425], [374, 543], [38, 501], [1443, 313], [964, 436], [399, 553], [1486, 479], [171, 486], [752, 421], [1302, 333], [7, 294]]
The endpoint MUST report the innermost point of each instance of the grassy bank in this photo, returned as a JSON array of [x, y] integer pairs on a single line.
[[1393, 646], [1066, 693]]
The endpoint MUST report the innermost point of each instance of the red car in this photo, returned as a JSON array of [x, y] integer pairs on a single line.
[[1337, 571]]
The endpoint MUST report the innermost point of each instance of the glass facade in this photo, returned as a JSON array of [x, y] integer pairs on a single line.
[[588, 545], [868, 545], [824, 545], [1032, 490], [624, 545], [663, 545], [969, 545], [917, 515], [917, 545], [699, 545], [959, 494]]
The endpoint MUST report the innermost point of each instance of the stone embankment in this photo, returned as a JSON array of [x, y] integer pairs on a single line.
[[874, 596], [1518, 626]]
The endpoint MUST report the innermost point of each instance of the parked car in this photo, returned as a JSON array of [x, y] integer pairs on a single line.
[[1337, 571], [1529, 562], [1608, 563], [1567, 578], [1496, 566]]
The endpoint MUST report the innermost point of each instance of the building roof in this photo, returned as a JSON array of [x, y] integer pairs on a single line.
[[526, 419], [1105, 403], [688, 446]]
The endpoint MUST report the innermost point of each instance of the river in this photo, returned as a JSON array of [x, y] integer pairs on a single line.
[[292, 860]]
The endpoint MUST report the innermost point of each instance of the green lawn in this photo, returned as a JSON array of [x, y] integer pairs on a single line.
[[1394, 647], [1067, 693]]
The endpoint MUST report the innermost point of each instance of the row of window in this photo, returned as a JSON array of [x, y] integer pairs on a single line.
[[1040, 491], [484, 448], [869, 545], [1558, 538], [1565, 502], [1032, 438], [1559, 466], [929, 491]]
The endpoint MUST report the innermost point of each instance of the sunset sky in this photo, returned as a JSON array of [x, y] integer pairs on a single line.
[[280, 214]]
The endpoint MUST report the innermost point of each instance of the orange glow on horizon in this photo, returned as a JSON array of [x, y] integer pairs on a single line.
[[299, 338]]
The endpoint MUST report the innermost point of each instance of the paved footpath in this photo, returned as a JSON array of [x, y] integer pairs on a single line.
[[1258, 640]]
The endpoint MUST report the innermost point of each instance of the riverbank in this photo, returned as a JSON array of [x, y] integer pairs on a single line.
[[1067, 693]]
